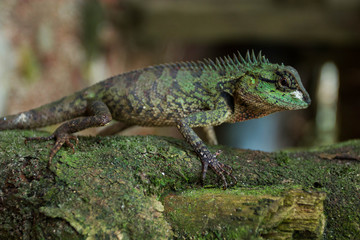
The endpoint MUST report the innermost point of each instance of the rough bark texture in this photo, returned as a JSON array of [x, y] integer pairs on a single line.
[[259, 213], [142, 187]]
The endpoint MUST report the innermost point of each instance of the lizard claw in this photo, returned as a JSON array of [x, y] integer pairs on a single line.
[[218, 152], [71, 145], [60, 140], [219, 168]]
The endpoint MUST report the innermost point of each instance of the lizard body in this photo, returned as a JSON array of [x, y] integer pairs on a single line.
[[185, 94]]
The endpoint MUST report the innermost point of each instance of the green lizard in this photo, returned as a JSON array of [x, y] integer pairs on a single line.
[[184, 94]]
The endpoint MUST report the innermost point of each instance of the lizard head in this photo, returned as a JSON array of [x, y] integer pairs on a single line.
[[274, 85], [258, 87], [261, 87]]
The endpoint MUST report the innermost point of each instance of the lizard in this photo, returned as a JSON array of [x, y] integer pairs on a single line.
[[184, 94]]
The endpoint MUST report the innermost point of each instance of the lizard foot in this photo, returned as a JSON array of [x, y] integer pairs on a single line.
[[219, 168], [60, 140]]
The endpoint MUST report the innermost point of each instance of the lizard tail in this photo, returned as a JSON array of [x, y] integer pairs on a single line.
[[59, 111]]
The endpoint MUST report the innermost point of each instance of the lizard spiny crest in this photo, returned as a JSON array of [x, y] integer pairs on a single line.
[[222, 63], [236, 61]]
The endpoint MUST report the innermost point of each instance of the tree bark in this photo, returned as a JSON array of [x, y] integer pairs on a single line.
[[148, 188]]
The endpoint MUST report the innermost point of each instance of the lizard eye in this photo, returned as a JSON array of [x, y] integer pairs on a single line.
[[284, 82]]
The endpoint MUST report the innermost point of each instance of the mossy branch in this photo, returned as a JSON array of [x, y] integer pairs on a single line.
[[148, 188]]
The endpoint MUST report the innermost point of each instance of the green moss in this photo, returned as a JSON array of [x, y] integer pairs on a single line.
[[111, 185], [241, 232], [239, 213], [282, 158], [101, 192]]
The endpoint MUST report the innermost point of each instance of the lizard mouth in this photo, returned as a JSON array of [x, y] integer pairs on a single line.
[[291, 105]]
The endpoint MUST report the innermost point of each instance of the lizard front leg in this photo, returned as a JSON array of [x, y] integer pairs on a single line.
[[211, 117], [99, 115]]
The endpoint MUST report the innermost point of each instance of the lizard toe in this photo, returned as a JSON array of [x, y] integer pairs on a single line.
[[228, 171], [58, 144], [28, 139], [69, 143], [222, 170], [62, 139], [205, 166]]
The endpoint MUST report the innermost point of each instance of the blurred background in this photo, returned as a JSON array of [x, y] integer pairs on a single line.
[[49, 49]]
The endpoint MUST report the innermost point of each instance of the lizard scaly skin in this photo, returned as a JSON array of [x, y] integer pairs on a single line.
[[184, 94]]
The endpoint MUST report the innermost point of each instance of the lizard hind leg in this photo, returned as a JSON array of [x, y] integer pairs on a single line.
[[99, 115], [60, 140]]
